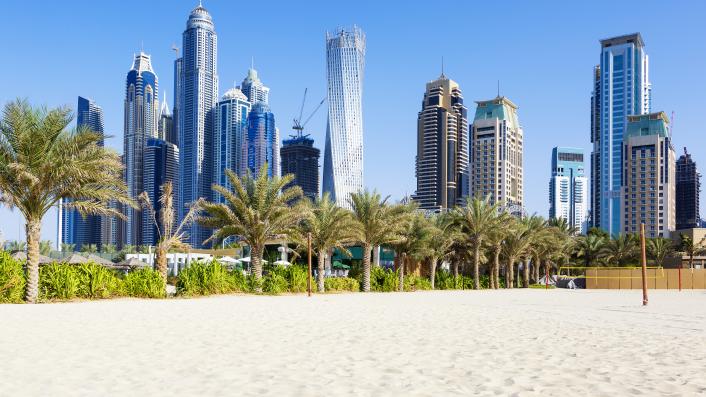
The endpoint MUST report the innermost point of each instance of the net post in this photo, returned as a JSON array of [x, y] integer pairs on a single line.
[[644, 264]]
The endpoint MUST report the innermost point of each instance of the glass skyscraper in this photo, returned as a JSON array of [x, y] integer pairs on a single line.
[[623, 90], [261, 141], [688, 189], [141, 123], [161, 165], [231, 127], [198, 97], [568, 188], [73, 227], [343, 152], [253, 88]]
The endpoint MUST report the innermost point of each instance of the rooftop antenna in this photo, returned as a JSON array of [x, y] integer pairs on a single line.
[[671, 129], [442, 67], [498, 88], [142, 46], [200, 3], [175, 49]]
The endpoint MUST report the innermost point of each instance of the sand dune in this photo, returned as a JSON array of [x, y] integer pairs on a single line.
[[521, 342]]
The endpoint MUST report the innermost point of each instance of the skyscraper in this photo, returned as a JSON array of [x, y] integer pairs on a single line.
[[343, 153], [253, 88], [496, 154], [688, 188], [178, 105], [141, 123], [73, 227], [442, 147], [198, 97], [161, 165], [261, 144], [595, 208], [300, 158], [648, 176], [231, 128], [568, 188], [623, 89], [165, 128]]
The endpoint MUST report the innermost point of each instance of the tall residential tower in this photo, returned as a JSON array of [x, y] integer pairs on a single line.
[[231, 128], [688, 188], [568, 188], [343, 153], [198, 98], [442, 147]]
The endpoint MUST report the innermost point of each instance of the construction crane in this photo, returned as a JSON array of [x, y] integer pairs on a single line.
[[298, 125]]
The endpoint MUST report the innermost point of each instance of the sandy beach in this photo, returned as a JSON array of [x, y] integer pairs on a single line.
[[521, 342]]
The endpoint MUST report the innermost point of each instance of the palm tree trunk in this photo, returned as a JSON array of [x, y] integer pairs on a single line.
[[536, 269], [526, 274], [510, 273], [256, 259], [366, 267], [320, 270], [432, 271], [476, 270], [496, 269], [161, 260], [403, 261], [33, 229], [455, 269]]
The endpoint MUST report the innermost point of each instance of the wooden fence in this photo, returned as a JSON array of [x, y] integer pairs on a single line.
[[656, 278]]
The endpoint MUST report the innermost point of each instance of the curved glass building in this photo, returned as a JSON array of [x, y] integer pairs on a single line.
[[262, 141], [231, 127], [343, 153]]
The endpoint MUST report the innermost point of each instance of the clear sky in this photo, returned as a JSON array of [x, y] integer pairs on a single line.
[[542, 53]]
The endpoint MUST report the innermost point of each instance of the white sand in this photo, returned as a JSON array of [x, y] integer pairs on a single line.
[[522, 342]]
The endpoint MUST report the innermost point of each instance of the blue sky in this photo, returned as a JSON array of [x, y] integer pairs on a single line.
[[542, 52]]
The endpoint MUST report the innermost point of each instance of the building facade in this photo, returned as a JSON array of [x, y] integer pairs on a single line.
[[198, 98], [343, 152], [648, 191], [141, 123], [568, 188], [261, 143], [300, 158], [161, 165], [253, 88], [688, 189], [496, 154], [622, 89], [73, 227], [165, 128], [442, 147], [231, 128]]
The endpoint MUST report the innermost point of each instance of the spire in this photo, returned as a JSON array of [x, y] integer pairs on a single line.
[[164, 109], [443, 76]]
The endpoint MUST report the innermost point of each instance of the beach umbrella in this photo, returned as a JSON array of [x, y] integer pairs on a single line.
[[99, 260], [282, 263], [228, 259], [75, 259], [340, 265], [22, 256]]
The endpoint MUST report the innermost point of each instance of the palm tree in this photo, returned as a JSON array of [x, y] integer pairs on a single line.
[[442, 235], [109, 249], [495, 242], [168, 236], [660, 248], [65, 247], [129, 249], [516, 246], [690, 248], [477, 220], [588, 247], [16, 246], [257, 210], [540, 237], [377, 224], [414, 236], [42, 163], [619, 249], [89, 248], [45, 247], [331, 227]]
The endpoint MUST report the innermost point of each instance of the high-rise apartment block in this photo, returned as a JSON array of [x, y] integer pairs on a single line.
[[496, 154], [141, 123], [343, 153], [165, 129], [648, 191], [442, 147], [688, 189], [161, 165], [300, 158], [621, 88], [197, 100], [261, 144], [231, 128], [568, 188]]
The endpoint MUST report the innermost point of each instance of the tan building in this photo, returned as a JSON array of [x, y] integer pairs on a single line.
[[496, 154], [648, 180]]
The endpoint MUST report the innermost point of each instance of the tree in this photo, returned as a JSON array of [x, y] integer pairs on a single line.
[[691, 249], [588, 247], [129, 249], [376, 224], [16, 246], [42, 163], [495, 242], [414, 236], [477, 220], [620, 249], [45, 247], [89, 248], [331, 227], [659, 248], [109, 249], [257, 210], [515, 246], [443, 233], [168, 236], [540, 237], [68, 247]]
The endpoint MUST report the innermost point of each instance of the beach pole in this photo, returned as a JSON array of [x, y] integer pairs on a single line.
[[546, 277], [644, 264], [308, 279]]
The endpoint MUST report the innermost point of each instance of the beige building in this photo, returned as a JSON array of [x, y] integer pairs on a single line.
[[496, 154], [649, 173]]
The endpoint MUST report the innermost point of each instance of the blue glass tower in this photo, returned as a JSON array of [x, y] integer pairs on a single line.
[[568, 187], [624, 90], [197, 99], [262, 141], [161, 165], [231, 127]]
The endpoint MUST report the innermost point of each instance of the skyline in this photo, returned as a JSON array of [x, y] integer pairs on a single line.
[[542, 72]]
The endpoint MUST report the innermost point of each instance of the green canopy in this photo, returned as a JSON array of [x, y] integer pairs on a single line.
[[339, 265]]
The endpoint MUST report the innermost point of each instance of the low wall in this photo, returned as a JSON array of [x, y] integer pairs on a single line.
[[656, 278]]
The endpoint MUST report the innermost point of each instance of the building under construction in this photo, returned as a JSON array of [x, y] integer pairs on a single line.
[[300, 158]]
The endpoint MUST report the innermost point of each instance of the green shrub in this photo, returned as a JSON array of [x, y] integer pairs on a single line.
[[59, 281], [274, 283], [416, 283], [341, 284], [12, 279], [240, 281], [205, 279], [296, 277], [253, 283], [444, 280], [382, 279], [144, 283], [97, 282]]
